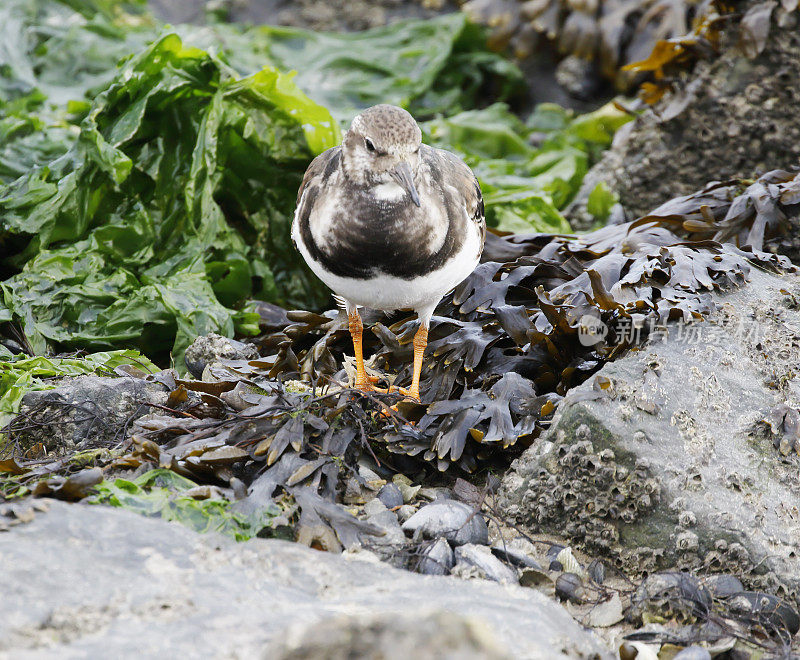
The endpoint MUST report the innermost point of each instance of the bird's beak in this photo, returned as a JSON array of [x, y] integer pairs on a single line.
[[402, 174]]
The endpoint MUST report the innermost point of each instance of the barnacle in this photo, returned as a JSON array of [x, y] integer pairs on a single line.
[[508, 348]]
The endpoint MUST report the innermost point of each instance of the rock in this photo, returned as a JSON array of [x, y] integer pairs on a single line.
[[212, 347], [405, 512], [433, 494], [393, 637], [679, 595], [693, 653], [675, 463], [391, 496], [374, 506], [736, 118], [455, 521], [482, 558], [93, 581], [506, 553], [97, 409], [436, 559], [387, 521]]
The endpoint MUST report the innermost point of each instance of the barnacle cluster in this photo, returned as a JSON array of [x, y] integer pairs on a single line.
[[588, 493], [505, 348]]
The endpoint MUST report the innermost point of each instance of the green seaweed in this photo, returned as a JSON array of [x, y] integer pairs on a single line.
[[162, 493], [20, 373]]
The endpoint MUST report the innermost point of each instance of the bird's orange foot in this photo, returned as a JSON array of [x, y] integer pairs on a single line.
[[410, 393], [367, 384]]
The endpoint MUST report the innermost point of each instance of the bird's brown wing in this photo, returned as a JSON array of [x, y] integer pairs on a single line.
[[318, 172], [458, 176]]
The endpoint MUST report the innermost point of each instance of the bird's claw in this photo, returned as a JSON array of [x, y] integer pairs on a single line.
[[410, 393], [367, 386]]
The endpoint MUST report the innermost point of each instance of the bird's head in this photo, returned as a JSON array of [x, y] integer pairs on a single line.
[[382, 147]]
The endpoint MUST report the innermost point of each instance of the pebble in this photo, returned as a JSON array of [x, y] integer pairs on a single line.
[[516, 557], [482, 558], [387, 521], [374, 506], [693, 653], [455, 521], [436, 559], [391, 496], [433, 494], [405, 512]]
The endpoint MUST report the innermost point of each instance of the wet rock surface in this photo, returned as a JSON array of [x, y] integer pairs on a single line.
[[159, 589], [83, 412], [435, 559], [455, 521], [676, 461], [398, 637], [481, 557], [735, 119], [212, 347]]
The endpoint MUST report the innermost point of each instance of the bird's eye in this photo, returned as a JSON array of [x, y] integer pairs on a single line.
[[369, 145]]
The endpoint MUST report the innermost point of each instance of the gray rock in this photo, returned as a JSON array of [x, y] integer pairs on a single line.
[[390, 637], [660, 155], [387, 521], [482, 558], [92, 411], [674, 464], [436, 559], [405, 512], [510, 555], [391, 496], [374, 506], [91, 581], [455, 521], [212, 347], [693, 653]]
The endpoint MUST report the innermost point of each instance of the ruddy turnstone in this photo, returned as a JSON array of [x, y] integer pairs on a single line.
[[389, 223]]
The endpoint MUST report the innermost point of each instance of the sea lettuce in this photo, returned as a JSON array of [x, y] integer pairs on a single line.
[[170, 210], [528, 170], [163, 494], [148, 173], [20, 373], [429, 67]]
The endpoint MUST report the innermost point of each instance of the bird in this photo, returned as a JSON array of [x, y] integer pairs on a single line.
[[389, 223]]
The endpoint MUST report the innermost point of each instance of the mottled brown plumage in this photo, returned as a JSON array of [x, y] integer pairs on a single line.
[[388, 222]]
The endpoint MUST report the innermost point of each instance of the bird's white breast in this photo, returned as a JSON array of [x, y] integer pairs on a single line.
[[386, 292], [388, 192]]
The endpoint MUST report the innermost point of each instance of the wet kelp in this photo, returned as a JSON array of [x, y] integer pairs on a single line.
[[511, 340], [613, 33], [505, 347], [628, 37]]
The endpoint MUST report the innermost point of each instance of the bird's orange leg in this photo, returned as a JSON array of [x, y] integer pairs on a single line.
[[363, 381], [420, 342]]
